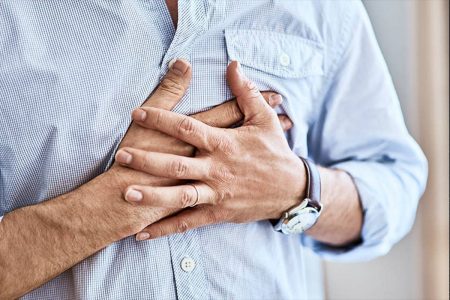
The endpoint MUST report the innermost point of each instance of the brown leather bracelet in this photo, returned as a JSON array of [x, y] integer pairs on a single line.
[[313, 187]]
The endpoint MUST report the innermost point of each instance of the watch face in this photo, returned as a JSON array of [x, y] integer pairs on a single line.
[[301, 222]]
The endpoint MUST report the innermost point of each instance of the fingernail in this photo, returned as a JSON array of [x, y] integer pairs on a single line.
[[179, 66], [142, 236], [239, 68], [133, 195], [123, 157], [275, 99], [240, 72], [139, 115]]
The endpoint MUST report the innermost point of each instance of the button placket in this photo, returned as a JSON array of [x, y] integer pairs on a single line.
[[188, 30], [189, 273]]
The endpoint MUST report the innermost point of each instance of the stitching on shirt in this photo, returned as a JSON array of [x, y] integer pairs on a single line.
[[276, 33], [235, 37]]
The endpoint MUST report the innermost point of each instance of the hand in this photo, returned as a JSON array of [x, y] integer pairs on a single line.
[[238, 175], [166, 96], [171, 89]]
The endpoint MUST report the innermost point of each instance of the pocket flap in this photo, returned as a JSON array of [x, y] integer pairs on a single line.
[[275, 53]]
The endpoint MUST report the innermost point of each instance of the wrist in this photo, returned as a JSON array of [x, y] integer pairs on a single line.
[[297, 185], [306, 212], [301, 190], [104, 195]]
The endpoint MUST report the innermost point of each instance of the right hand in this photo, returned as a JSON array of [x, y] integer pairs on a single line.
[[168, 93]]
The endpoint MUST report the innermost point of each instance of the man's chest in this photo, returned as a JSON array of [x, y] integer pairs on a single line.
[[113, 57], [76, 74]]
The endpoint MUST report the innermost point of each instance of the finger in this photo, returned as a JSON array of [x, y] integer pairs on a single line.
[[285, 122], [222, 116], [185, 220], [228, 113], [179, 196], [273, 99], [249, 99], [172, 87], [163, 164], [181, 127]]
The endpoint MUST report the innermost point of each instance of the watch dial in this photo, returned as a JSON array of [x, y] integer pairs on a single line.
[[303, 221]]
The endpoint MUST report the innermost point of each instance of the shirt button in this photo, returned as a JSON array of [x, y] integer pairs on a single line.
[[285, 60], [187, 264]]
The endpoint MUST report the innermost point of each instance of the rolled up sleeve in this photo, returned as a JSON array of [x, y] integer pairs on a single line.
[[361, 131]]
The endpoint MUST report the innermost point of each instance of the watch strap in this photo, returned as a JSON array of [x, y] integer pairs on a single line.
[[312, 197], [313, 188]]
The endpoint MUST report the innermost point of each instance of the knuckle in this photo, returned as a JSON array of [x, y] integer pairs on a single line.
[[172, 85], [209, 166], [221, 173], [250, 86], [186, 198], [182, 226], [145, 161], [186, 126], [178, 168], [158, 118], [221, 196]]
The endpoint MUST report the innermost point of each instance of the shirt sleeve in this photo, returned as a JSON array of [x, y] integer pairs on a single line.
[[361, 131]]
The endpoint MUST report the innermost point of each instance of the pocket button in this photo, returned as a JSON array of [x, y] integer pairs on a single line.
[[285, 60]]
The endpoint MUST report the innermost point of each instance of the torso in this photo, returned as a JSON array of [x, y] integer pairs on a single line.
[[74, 72]]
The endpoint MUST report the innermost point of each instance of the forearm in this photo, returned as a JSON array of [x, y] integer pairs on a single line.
[[39, 242], [342, 217]]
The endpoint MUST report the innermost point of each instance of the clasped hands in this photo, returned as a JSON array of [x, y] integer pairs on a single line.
[[237, 175]]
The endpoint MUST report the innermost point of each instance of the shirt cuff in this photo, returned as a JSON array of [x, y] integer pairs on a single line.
[[375, 235]]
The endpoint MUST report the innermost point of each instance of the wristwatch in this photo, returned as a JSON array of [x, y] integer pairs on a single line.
[[303, 216]]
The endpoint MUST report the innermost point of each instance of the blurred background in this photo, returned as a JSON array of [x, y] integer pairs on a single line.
[[413, 35]]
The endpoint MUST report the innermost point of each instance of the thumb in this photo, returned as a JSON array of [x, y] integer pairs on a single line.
[[172, 87], [250, 101]]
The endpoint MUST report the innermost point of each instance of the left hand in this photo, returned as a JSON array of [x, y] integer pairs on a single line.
[[240, 175]]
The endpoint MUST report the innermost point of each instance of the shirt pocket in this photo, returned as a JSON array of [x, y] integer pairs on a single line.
[[279, 54], [290, 65]]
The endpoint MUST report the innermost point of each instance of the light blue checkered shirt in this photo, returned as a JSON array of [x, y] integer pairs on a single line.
[[74, 70]]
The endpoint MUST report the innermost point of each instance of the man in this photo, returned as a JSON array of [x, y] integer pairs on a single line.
[[72, 72]]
